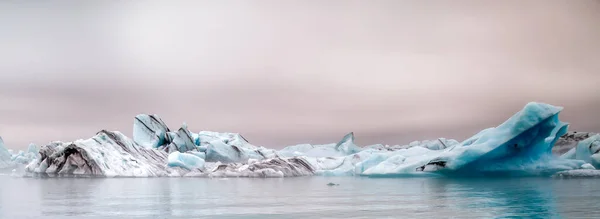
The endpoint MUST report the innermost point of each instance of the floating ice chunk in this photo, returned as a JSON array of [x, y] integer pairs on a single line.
[[106, 154], [149, 131], [185, 160], [518, 146], [5, 156], [588, 150], [522, 145]]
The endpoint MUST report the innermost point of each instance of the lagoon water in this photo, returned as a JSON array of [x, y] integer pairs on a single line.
[[304, 197]]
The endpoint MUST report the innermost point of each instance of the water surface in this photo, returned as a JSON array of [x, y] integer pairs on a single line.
[[305, 197]]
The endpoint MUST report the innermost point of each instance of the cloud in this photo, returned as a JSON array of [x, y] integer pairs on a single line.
[[284, 73]]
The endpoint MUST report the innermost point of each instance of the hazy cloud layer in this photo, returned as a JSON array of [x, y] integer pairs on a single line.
[[296, 71]]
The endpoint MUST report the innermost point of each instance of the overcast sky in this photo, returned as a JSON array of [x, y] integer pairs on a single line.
[[288, 72]]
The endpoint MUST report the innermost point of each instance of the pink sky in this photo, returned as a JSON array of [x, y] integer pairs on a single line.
[[291, 72]]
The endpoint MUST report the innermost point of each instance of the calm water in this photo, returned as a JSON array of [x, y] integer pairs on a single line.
[[307, 197]]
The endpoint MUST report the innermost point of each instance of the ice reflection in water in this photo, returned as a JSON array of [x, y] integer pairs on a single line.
[[308, 197]]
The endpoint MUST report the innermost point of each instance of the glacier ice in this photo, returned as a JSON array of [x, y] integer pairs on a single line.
[[272, 167], [181, 140], [105, 154], [588, 150], [344, 147], [347, 146], [187, 161], [520, 146], [9, 158], [231, 148], [149, 131], [218, 151], [5, 156], [531, 142]]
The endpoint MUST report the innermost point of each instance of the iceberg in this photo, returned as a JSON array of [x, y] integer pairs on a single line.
[[533, 142], [24, 157], [522, 145], [587, 150], [8, 159], [5, 156], [105, 154]]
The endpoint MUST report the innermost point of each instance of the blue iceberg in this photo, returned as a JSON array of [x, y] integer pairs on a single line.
[[521, 146]]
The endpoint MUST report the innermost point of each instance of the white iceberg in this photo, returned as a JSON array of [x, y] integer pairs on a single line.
[[5, 156], [523, 145], [106, 154]]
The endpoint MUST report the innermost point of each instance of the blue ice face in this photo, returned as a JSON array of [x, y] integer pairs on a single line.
[[520, 146], [188, 161], [149, 131]]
